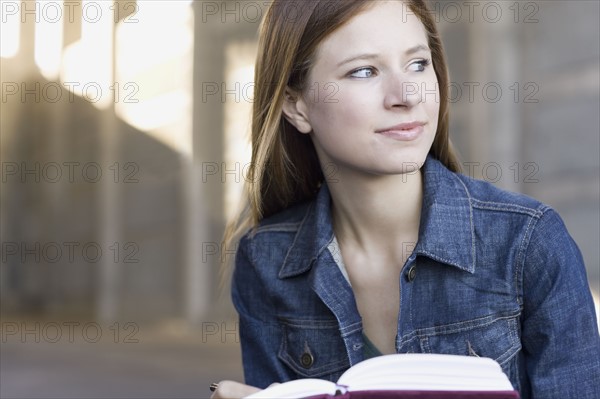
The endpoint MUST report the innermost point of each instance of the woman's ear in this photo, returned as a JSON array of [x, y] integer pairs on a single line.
[[294, 110]]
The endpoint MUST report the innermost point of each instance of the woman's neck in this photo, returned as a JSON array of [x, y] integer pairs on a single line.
[[377, 215]]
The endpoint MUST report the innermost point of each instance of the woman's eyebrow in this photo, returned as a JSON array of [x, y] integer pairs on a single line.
[[368, 56]]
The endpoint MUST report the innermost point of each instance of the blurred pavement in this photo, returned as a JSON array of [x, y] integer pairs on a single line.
[[168, 361]]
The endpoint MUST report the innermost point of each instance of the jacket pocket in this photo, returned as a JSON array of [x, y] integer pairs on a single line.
[[313, 348], [495, 336]]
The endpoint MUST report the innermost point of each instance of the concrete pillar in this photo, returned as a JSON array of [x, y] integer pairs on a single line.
[[204, 197], [107, 302]]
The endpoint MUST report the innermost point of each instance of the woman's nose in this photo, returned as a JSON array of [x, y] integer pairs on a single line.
[[402, 92]]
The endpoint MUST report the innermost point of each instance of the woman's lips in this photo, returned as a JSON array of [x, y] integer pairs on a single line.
[[404, 131]]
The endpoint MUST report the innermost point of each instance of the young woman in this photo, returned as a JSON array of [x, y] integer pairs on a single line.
[[361, 238]]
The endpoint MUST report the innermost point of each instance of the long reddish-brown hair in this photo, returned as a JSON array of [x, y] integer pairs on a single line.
[[284, 167]]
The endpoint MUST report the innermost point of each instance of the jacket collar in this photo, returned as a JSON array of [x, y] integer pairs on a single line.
[[446, 232]]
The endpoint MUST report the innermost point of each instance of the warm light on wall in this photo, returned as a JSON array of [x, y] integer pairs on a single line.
[[9, 29], [49, 38], [87, 64], [239, 78], [154, 57]]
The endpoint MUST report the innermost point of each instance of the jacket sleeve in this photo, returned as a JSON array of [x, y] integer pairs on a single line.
[[259, 330], [559, 329]]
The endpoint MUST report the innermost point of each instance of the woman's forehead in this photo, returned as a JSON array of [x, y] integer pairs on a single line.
[[384, 27]]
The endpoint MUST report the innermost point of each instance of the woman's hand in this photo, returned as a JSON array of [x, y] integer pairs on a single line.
[[233, 390]]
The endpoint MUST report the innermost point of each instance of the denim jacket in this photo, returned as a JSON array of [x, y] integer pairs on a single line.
[[493, 274]]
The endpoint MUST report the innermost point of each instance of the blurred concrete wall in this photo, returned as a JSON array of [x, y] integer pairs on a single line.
[[91, 219], [525, 102], [54, 210], [527, 116]]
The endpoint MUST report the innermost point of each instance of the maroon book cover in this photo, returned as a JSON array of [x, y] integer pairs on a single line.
[[421, 395]]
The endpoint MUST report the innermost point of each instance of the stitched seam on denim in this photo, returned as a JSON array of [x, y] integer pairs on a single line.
[[515, 344], [503, 206], [408, 338], [520, 262], [336, 310], [409, 293], [315, 372], [336, 307], [425, 345], [513, 348], [325, 246], [515, 339], [473, 253], [308, 211], [271, 303], [401, 293], [351, 329], [517, 371], [441, 259], [250, 249], [463, 325], [252, 261], [398, 338], [284, 356], [283, 227], [309, 323]]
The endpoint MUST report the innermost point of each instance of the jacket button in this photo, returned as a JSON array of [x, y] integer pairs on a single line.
[[306, 360], [412, 274]]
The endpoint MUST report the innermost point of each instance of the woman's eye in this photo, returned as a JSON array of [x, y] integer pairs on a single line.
[[420, 65], [365, 72]]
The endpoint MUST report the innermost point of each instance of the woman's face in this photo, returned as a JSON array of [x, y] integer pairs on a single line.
[[372, 75]]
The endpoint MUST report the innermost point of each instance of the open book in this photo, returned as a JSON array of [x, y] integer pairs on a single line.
[[405, 376]]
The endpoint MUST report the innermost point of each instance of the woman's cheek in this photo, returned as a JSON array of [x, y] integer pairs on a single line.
[[341, 124]]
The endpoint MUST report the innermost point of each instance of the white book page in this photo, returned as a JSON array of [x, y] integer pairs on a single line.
[[431, 383], [426, 372], [296, 389], [431, 372]]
